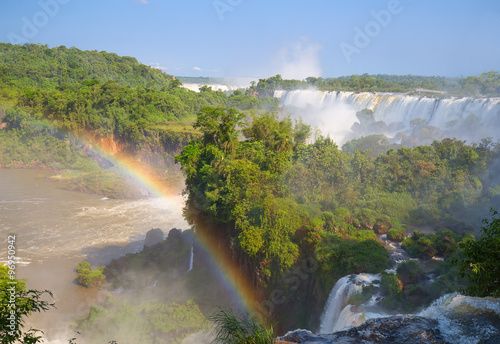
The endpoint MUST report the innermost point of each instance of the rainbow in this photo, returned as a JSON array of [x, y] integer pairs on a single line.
[[228, 272]]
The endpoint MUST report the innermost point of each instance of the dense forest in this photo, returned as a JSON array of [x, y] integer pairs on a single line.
[[282, 201], [485, 85], [56, 101]]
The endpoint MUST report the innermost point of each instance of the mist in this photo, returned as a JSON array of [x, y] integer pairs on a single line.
[[300, 60], [406, 120]]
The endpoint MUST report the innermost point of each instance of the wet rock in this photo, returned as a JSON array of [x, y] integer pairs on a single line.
[[153, 237], [395, 329], [382, 226]]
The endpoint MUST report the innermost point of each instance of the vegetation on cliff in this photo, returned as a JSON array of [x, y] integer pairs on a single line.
[[142, 323], [480, 259], [281, 200], [57, 103]]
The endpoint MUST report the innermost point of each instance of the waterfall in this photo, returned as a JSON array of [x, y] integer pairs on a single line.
[[453, 318], [335, 112], [191, 258], [337, 313], [336, 300]]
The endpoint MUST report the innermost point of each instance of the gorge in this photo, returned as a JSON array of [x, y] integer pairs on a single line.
[[354, 224]]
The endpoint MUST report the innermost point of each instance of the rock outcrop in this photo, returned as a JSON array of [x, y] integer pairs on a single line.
[[395, 329]]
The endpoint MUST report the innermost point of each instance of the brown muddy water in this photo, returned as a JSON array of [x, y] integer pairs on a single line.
[[55, 229]]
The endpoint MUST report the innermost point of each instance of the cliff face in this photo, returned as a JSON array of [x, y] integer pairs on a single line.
[[289, 301], [160, 147], [157, 150]]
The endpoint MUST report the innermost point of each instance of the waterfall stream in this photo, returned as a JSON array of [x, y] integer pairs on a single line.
[[460, 319], [334, 112], [191, 258]]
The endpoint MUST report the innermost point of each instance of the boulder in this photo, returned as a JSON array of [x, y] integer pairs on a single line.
[[395, 329], [153, 237]]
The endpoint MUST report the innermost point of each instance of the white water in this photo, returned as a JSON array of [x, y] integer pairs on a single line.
[[337, 314], [335, 112], [191, 258], [463, 319]]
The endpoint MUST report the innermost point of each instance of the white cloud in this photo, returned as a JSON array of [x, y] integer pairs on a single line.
[[300, 60], [198, 69], [156, 65]]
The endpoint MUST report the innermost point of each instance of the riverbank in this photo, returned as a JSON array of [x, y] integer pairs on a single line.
[[56, 229]]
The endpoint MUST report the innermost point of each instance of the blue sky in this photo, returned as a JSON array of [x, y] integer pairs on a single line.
[[257, 38]]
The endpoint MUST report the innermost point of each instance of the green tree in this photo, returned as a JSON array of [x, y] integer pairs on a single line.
[[218, 126], [16, 304], [90, 278], [480, 262]]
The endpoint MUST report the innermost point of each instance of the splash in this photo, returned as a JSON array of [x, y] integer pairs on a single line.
[[300, 60], [464, 319], [465, 118]]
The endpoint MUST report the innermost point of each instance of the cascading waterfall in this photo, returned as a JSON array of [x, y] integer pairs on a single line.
[[453, 319], [335, 112], [337, 314], [460, 319], [336, 300], [191, 258]]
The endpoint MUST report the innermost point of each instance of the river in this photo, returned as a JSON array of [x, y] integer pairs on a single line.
[[55, 229]]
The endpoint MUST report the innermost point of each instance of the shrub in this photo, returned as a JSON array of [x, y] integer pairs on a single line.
[[390, 285], [240, 329], [90, 278], [419, 245], [396, 234], [409, 272]]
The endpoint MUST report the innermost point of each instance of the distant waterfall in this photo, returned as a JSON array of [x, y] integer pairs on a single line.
[[191, 258], [336, 111]]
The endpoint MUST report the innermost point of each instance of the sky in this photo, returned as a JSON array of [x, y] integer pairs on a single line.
[[258, 39]]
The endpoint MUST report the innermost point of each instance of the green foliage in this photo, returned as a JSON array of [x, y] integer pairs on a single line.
[[480, 260], [278, 198], [339, 257], [38, 65], [376, 144], [391, 288], [90, 278], [232, 328], [487, 84], [144, 323], [390, 285], [409, 272], [449, 279], [425, 246], [219, 127], [16, 304], [396, 234]]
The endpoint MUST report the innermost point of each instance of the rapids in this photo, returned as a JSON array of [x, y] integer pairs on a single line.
[[56, 229]]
